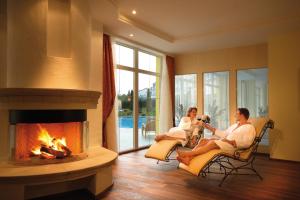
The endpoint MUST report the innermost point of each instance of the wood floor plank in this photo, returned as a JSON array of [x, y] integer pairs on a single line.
[[140, 178], [137, 177]]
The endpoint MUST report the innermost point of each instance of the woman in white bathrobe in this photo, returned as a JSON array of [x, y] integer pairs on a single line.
[[188, 127], [238, 135]]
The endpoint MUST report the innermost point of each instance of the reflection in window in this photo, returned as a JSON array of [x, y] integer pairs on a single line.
[[252, 93], [185, 94], [216, 98]]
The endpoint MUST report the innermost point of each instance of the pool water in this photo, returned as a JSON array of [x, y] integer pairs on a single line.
[[127, 122]]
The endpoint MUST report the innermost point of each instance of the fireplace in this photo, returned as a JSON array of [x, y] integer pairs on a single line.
[[41, 132], [47, 136]]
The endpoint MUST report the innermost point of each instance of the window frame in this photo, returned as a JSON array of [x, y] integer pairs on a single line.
[[203, 91], [136, 71], [196, 94]]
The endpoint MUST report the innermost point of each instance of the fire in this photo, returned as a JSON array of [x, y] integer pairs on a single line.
[[51, 147]]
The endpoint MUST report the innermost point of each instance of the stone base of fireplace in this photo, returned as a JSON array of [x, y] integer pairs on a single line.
[[25, 182]]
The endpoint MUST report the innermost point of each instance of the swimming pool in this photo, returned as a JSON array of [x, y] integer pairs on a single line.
[[127, 122]]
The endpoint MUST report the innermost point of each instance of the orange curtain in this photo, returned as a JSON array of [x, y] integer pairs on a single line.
[[109, 91], [171, 71]]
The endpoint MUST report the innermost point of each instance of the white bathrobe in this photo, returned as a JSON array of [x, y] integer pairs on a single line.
[[243, 136], [185, 129]]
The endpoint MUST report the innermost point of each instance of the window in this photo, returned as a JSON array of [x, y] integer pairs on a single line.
[[216, 98], [137, 79], [147, 62], [252, 93], [124, 56], [185, 94], [125, 108]]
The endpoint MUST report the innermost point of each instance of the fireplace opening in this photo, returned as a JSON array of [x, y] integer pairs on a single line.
[[47, 136]]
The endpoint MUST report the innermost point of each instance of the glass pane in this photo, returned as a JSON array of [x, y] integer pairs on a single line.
[[124, 81], [185, 94], [216, 98], [147, 62], [124, 55], [252, 93], [147, 109]]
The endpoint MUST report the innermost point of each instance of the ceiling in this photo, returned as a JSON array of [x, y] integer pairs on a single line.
[[184, 26]]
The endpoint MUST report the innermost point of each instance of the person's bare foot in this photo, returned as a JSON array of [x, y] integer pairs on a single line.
[[185, 160]]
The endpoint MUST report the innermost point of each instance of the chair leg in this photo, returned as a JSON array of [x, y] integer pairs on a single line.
[[260, 177], [225, 176], [254, 170]]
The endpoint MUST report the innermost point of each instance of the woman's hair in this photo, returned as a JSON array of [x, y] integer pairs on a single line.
[[245, 112], [190, 110]]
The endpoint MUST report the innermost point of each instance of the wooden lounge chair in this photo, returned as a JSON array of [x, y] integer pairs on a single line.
[[243, 158], [162, 150]]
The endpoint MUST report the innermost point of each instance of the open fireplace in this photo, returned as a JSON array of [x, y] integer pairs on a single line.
[[49, 128], [47, 136]]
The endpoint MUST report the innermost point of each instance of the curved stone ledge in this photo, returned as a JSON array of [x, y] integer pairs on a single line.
[[95, 170]]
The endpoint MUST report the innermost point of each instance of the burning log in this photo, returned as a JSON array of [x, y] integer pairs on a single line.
[[68, 152], [57, 154], [63, 147], [51, 147], [45, 155]]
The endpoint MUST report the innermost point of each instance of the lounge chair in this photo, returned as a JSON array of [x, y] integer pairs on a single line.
[[162, 150], [244, 158]]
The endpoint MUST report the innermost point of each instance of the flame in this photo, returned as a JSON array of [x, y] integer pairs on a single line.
[[46, 139]]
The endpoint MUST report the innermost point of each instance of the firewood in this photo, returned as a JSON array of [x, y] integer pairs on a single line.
[[45, 155], [67, 150], [57, 154]]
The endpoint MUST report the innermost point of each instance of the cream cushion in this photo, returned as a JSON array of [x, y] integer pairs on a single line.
[[258, 124], [199, 162], [160, 150]]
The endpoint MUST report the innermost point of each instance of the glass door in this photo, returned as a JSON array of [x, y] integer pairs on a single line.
[[147, 109], [137, 79], [124, 80]]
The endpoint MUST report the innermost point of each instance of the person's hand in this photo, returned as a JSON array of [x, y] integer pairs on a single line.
[[232, 142], [200, 123], [205, 125]]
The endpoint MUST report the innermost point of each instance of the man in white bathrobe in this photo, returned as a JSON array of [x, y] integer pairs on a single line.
[[238, 135]]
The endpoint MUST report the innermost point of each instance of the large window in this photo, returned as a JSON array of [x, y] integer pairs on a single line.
[[185, 94], [216, 98], [252, 93], [138, 74]]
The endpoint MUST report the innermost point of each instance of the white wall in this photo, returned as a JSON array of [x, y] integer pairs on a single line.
[[36, 61]]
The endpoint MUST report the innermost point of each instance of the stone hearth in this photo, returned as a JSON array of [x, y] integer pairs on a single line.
[[30, 181]]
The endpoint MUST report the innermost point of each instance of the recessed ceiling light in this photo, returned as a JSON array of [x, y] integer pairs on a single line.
[[131, 35], [133, 12]]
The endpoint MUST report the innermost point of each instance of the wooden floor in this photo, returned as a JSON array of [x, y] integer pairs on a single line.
[[136, 177]]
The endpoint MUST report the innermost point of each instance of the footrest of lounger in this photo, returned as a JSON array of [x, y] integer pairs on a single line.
[[161, 149], [199, 162]]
